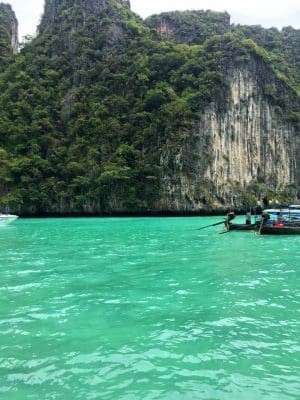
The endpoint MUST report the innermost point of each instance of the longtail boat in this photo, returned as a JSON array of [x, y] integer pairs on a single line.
[[6, 218], [276, 221], [248, 226], [279, 229], [280, 221], [240, 227]]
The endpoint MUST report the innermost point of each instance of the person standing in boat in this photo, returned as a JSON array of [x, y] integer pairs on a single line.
[[248, 218]]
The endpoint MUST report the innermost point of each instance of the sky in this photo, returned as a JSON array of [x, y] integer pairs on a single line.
[[267, 13]]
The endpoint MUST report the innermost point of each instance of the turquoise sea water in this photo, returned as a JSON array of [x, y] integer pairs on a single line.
[[147, 308]]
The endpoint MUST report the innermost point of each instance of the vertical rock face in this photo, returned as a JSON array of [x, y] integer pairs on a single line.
[[247, 145], [78, 24], [250, 141], [55, 9], [9, 27], [72, 20]]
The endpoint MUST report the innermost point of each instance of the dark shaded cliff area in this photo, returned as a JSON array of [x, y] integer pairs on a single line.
[[104, 113]]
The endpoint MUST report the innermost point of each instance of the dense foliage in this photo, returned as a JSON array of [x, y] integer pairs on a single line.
[[194, 27], [278, 48], [282, 48], [88, 106], [191, 27]]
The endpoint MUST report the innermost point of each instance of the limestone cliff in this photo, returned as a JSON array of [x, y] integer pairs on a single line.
[[8, 34], [100, 115], [192, 27], [78, 25], [69, 17], [8, 17], [241, 149]]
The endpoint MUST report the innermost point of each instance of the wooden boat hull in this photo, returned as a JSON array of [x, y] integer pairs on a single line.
[[279, 230], [240, 227]]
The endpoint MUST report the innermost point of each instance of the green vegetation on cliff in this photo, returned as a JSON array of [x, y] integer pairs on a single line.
[[191, 27], [194, 27], [90, 104]]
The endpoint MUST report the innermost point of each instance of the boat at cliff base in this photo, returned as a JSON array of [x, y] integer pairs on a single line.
[[240, 227], [279, 229], [280, 220], [247, 226], [6, 219]]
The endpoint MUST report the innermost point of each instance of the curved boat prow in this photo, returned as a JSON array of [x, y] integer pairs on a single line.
[[6, 219]]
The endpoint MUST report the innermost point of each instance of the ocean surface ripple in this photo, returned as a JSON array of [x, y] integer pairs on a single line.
[[147, 308]]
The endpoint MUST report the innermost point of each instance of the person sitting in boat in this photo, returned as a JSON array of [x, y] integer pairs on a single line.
[[230, 216]]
